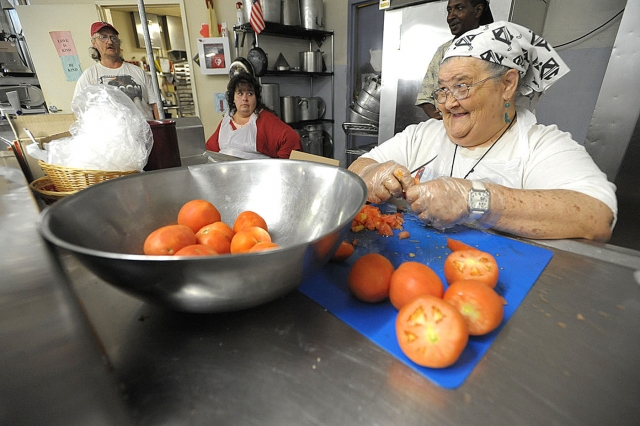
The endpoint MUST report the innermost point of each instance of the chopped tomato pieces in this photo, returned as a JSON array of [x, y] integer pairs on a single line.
[[455, 245], [371, 218]]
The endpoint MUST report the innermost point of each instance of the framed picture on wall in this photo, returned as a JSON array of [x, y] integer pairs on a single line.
[[215, 56]]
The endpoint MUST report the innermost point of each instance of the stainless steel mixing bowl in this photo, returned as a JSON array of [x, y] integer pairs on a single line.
[[307, 206]]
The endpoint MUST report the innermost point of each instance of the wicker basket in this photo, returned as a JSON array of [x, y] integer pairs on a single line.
[[47, 191], [68, 179]]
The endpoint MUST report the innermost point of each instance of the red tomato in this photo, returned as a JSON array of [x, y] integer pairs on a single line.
[[455, 245], [479, 304], [345, 250], [214, 239], [413, 279], [431, 332], [196, 250], [242, 241], [370, 277], [263, 246], [404, 235], [248, 219], [197, 213], [471, 265], [167, 240]]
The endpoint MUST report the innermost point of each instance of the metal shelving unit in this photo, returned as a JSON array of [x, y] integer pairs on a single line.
[[184, 95], [359, 129], [317, 36]]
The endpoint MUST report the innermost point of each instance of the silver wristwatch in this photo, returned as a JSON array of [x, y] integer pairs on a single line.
[[479, 200]]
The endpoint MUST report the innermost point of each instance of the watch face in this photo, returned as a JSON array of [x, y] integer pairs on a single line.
[[479, 200]]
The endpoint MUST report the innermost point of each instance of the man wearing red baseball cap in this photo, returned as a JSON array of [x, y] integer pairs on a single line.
[[111, 69]]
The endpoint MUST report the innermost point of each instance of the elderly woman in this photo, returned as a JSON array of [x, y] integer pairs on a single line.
[[249, 130], [488, 163], [462, 16]]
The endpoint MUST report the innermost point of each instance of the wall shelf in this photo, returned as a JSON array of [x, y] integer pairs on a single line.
[[319, 37]]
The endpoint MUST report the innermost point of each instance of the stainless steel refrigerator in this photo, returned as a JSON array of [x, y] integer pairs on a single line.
[[413, 30]]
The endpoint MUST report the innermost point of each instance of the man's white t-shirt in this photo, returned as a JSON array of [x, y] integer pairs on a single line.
[[130, 79]]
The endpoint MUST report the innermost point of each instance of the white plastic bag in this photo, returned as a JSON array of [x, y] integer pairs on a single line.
[[110, 133]]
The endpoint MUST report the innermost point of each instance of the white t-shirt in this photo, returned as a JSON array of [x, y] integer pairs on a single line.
[[130, 79], [528, 156]]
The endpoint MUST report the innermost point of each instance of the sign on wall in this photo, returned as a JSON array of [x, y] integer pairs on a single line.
[[66, 48]]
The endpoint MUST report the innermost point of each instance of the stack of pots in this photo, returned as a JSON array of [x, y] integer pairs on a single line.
[[366, 108], [308, 13], [271, 10], [271, 97]]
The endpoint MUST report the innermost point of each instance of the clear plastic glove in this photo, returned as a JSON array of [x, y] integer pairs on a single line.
[[442, 202], [386, 180]]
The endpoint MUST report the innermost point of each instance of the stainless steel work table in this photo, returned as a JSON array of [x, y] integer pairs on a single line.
[[569, 356]]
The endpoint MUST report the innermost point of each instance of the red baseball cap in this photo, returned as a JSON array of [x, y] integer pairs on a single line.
[[97, 26]]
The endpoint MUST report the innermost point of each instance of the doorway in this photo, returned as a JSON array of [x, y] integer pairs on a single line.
[[38, 22], [170, 44], [366, 23]]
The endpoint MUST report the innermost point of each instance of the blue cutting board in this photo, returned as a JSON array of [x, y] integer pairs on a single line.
[[520, 266]]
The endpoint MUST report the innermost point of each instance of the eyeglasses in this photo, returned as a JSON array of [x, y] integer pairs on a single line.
[[458, 91], [103, 38]]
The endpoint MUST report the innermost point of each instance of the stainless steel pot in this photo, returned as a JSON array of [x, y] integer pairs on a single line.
[[371, 115], [271, 10], [317, 141], [372, 86], [311, 61], [271, 97], [291, 12], [290, 109], [312, 12], [368, 102], [356, 117], [312, 108]]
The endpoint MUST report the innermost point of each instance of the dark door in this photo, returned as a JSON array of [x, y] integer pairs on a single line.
[[364, 50]]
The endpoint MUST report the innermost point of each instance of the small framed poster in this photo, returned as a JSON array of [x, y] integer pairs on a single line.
[[215, 57]]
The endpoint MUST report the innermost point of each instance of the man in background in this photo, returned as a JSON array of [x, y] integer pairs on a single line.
[[111, 69], [462, 16]]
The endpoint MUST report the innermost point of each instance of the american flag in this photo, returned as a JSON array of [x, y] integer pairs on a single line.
[[257, 18]]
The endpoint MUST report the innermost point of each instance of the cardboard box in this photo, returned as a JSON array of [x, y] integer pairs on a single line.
[[299, 155], [44, 128]]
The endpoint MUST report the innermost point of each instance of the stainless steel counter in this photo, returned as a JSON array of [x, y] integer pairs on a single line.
[[569, 356]]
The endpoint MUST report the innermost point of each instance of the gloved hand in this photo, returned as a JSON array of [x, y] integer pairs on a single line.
[[442, 202], [386, 180]]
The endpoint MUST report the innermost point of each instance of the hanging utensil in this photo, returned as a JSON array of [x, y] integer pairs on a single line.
[[213, 19], [240, 65], [258, 59]]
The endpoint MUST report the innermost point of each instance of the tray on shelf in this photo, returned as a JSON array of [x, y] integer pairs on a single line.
[[360, 129], [272, 28]]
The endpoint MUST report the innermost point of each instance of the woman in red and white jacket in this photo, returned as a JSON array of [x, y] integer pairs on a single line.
[[249, 130]]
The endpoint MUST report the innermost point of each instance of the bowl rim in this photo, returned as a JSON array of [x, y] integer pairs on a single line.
[[46, 232]]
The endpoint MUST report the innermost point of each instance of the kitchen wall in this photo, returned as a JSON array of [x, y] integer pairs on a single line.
[[196, 13]]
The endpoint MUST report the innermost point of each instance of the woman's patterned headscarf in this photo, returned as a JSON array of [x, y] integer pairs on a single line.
[[516, 47]]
